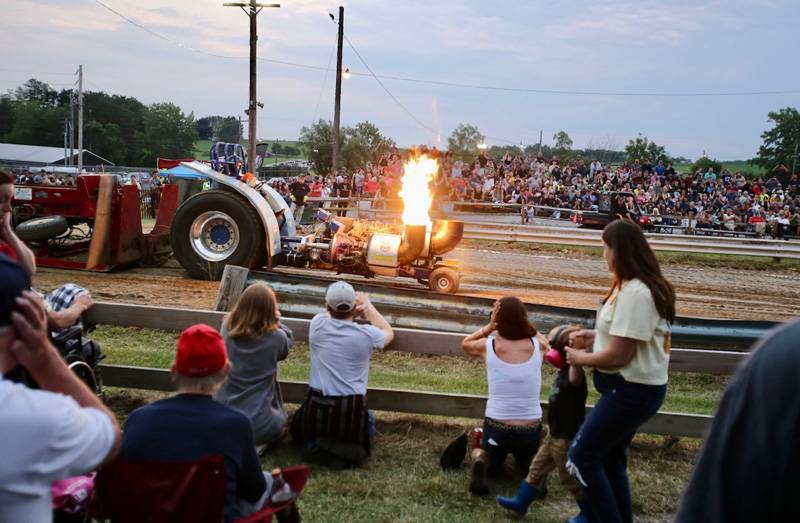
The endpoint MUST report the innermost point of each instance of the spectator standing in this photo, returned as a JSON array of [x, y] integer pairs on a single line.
[[256, 341], [299, 189], [630, 352], [513, 419], [10, 244], [358, 182], [59, 431], [333, 422], [565, 414], [191, 425]]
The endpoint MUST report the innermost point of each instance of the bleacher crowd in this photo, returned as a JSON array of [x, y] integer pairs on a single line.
[[704, 199]]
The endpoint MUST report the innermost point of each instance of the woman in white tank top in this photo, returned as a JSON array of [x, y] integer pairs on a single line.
[[514, 372]]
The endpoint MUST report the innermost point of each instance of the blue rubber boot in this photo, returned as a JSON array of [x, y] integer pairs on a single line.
[[583, 515], [520, 503]]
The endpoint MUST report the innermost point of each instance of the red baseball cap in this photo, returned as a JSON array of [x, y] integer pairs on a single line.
[[201, 351]]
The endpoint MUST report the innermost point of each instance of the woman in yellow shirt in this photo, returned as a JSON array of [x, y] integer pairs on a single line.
[[629, 350]]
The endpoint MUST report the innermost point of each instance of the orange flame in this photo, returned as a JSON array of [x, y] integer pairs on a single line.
[[415, 192]]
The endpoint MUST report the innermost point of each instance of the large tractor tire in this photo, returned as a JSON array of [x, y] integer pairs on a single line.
[[41, 229], [216, 228], [444, 279]]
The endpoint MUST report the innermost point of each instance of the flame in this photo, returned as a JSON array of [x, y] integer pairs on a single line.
[[415, 192]]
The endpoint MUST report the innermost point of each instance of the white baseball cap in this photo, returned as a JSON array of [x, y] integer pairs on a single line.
[[340, 296]]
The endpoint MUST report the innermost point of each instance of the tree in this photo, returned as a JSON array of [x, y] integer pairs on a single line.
[[205, 127], [228, 129], [562, 141], [37, 124], [105, 140], [167, 133], [6, 116], [363, 143], [780, 141], [464, 140], [704, 163], [37, 91], [642, 149], [318, 141]]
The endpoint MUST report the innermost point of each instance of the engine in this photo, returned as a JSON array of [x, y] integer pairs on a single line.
[[372, 248]]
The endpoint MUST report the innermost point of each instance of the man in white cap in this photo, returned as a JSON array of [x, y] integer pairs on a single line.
[[334, 419]]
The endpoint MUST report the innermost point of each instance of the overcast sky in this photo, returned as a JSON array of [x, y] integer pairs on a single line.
[[600, 47]]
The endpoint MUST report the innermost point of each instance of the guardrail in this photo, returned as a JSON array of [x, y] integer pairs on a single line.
[[303, 295], [406, 340], [406, 401], [395, 400]]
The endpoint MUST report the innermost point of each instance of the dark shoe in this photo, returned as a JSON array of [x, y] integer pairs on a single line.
[[477, 484], [583, 516], [520, 503], [453, 455]]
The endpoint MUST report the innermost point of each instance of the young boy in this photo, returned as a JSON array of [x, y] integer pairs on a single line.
[[567, 405]]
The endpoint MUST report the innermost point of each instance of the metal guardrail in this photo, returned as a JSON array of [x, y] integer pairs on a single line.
[[406, 306], [406, 401]]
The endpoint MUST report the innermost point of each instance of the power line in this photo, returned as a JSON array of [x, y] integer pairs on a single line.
[[443, 83], [393, 97], [324, 81]]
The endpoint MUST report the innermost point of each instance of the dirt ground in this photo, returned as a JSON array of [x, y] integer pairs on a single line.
[[553, 279]]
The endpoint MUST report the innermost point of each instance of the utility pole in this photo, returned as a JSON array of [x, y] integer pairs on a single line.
[[71, 128], [794, 163], [337, 105], [66, 133], [541, 132], [253, 8], [80, 119]]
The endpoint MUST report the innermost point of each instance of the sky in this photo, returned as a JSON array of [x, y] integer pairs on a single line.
[[605, 60]]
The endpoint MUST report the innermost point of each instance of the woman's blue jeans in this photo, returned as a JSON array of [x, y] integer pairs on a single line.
[[598, 456]]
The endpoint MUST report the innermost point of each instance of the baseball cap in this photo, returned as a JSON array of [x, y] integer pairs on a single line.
[[15, 280], [340, 296], [201, 351]]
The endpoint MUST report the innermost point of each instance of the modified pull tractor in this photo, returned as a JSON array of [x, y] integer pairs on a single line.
[[250, 224]]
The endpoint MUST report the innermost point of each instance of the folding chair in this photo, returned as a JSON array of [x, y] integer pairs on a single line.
[[156, 492]]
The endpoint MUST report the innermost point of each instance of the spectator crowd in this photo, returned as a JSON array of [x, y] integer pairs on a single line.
[[704, 199]]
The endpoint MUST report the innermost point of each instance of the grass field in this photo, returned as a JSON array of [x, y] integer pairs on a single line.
[[402, 481], [749, 170]]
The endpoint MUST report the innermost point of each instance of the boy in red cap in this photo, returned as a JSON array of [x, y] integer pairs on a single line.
[[192, 425]]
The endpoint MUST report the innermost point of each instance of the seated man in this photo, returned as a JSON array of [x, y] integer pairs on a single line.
[[59, 431], [66, 305], [192, 425], [340, 353]]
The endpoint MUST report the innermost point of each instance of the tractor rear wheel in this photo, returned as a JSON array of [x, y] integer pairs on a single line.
[[216, 228], [444, 279]]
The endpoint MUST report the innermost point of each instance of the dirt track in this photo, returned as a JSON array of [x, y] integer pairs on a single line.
[[560, 279]]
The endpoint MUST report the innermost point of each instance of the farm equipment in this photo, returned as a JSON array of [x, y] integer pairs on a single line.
[[238, 221], [251, 225], [94, 225]]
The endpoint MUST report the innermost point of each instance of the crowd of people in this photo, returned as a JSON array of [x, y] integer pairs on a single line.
[[228, 400], [704, 199]]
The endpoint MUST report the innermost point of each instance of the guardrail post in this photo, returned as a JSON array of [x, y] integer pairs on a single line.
[[231, 287]]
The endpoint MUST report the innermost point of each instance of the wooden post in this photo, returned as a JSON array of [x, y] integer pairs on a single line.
[[231, 287]]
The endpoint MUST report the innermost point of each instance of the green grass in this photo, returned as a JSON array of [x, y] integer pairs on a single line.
[[749, 170], [202, 149], [690, 393], [730, 261]]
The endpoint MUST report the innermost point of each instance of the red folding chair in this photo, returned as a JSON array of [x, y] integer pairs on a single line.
[[135, 491]]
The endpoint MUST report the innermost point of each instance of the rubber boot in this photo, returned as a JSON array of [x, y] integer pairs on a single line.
[[520, 503], [583, 515]]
